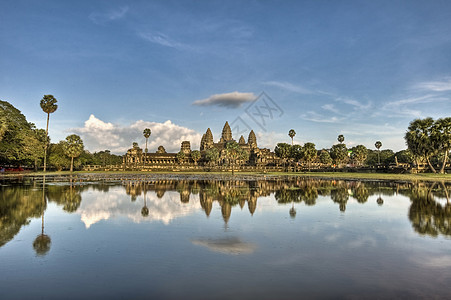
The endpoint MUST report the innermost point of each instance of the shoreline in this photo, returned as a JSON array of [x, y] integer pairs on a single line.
[[248, 175]]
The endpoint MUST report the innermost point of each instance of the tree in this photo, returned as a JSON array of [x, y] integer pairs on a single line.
[[378, 145], [359, 154], [309, 153], [341, 139], [212, 155], [283, 150], [57, 157], [291, 134], [339, 153], [147, 132], [235, 152], [181, 157], [195, 155], [419, 141], [296, 154], [441, 136], [73, 147], [324, 157], [48, 105]]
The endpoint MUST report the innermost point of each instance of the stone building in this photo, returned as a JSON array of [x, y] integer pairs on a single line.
[[135, 157]]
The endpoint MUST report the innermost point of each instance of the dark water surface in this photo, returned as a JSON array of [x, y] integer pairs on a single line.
[[192, 238]]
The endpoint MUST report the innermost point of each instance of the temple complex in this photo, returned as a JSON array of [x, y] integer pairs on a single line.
[[256, 157]]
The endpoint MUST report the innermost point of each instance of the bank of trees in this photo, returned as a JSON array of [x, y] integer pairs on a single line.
[[22, 144]]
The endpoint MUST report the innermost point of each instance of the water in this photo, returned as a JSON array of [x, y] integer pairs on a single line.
[[172, 237]]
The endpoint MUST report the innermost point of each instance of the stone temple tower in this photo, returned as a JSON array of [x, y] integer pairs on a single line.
[[207, 140], [252, 140], [226, 133]]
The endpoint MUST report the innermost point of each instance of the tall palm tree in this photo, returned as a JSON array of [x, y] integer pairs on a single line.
[[147, 132], [291, 134], [48, 105], [341, 139], [378, 145]]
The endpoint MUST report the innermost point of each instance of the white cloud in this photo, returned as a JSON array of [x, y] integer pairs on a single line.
[[315, 117], [435, 86], [331, 108], [289, 87], [111, 15], [354, 103], [163, 40], [229, 100], [98, 135]]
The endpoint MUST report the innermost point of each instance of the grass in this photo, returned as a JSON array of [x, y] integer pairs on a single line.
[[331, 175]]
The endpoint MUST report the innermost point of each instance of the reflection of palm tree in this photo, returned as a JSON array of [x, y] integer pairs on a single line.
[[145, 209], [379, 200], [42, 242], [292, 211]]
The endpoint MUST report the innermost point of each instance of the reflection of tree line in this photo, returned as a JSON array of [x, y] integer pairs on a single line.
[[28, 199]]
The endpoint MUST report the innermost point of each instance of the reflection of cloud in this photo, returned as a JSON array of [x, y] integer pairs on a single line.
[[97, 206], [443, 261], [99, 135], [229, 245], [229, 100]]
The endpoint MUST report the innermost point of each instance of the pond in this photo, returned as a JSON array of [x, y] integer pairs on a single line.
[[213, 237]]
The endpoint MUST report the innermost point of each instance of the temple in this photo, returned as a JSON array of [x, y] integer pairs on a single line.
[[212, 155]]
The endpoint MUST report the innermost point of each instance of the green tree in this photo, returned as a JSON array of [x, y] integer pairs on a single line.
[[283, 150], [309, 153], [339, 153], [359, 154], [324, 157], [57, 157], [73, 147], [212, 155], [195, 155], [291, 134], [441, 136], [419, 140], [341, 139], [48, 105], [234, 152], [378, 146], [180, 157], [18, 138]]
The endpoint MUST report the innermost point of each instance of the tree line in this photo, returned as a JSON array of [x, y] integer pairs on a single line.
[[22, 144]]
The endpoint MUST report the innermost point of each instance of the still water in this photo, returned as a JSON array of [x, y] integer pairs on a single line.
[[173, 237]]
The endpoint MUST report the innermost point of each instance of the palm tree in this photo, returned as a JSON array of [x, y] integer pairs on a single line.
[[291, 134], [147, 132], [73, 147], [378, 145], [341, 139], [48, 105]]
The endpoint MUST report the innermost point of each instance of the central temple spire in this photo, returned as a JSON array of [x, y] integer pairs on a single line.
[[226, 132]]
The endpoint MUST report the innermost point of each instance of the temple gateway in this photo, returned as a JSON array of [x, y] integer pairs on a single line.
[[211, 154]]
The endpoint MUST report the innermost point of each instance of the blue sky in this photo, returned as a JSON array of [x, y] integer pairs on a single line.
[[363, 69]]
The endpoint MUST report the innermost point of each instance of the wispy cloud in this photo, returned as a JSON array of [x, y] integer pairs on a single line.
[[435, 86], [315, 117], [164, 40], [111, 15], [331, 108], [229, 100], [356, 104], [289, 87]]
